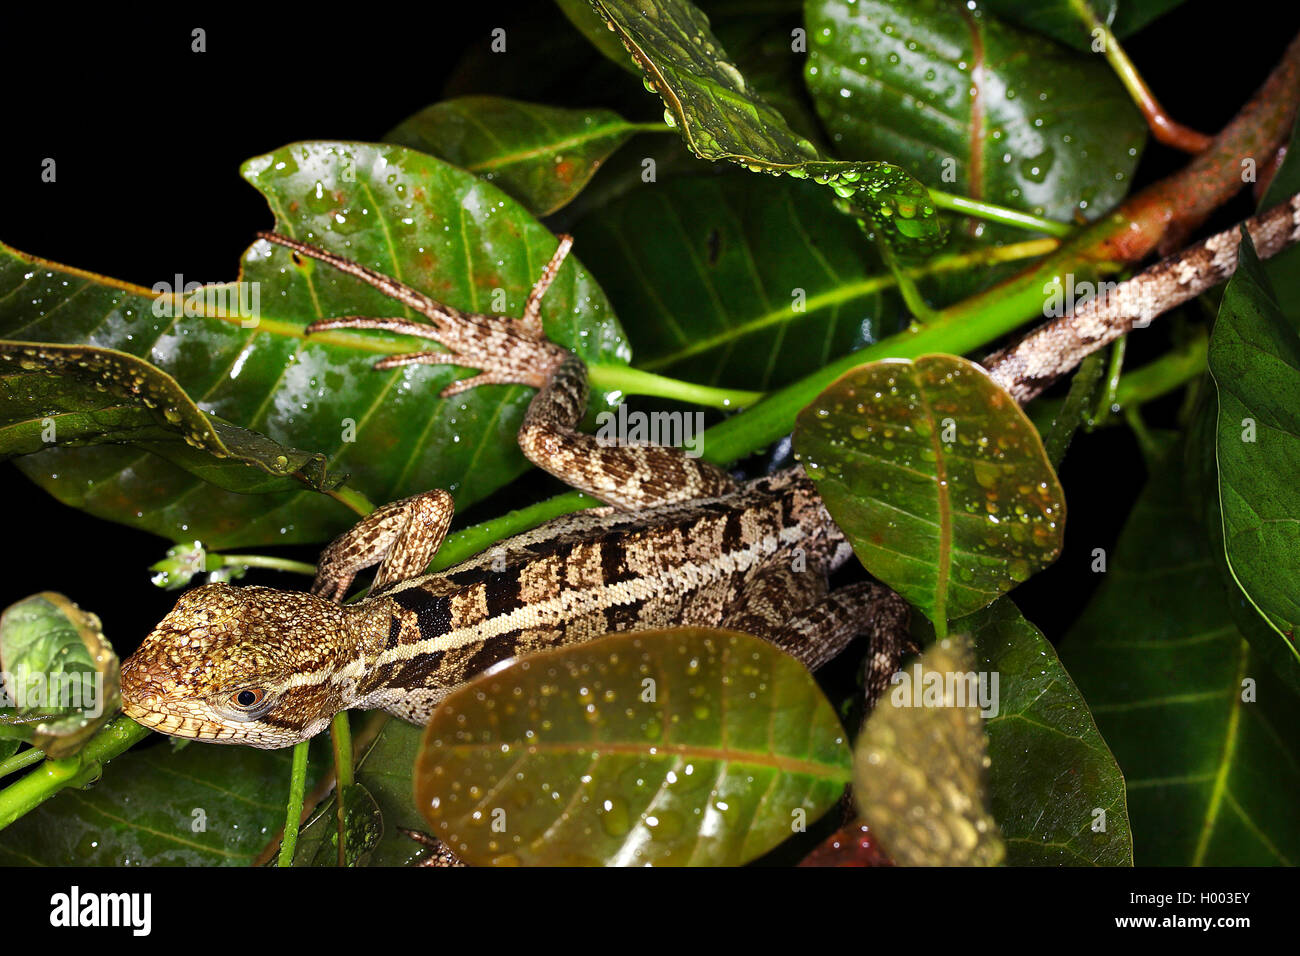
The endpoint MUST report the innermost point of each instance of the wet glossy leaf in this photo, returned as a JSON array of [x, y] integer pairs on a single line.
[[721, 117], [937, 478], [363, 827], [541, 155], [419, 219], [1051, 770], [59, 671], [681, 747], [851, 845], [200, 805], [590, 24], [80, 395], [1074, 411], [920, 769], [386, 770], [1254, 357], [1046, 130], [738, 281], [1211, 777]]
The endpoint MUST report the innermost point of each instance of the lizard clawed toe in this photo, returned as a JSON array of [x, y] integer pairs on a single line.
[[505, 351]]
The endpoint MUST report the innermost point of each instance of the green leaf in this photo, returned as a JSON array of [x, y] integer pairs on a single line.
[[589, 23], [386, 770], [81, 395], [937, 478], [1254, 357], [679, 747], [540, 155], [1051, 770], [363, 825], [721, 117], [59, 671], [1211, 777], [157, 806], [433, 226], [1074, 411], [1048, 131], [736, 280], [920, 767], [760, 39]]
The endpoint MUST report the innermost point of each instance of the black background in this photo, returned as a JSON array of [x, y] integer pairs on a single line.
[[148, 137]]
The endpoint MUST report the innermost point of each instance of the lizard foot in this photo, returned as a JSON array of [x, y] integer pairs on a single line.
[[505, 351]]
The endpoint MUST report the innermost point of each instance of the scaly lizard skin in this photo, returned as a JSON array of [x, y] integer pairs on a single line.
[[682, 544]]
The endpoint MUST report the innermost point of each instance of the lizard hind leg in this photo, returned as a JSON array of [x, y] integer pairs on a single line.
[[822, 629], [516, 351], [401, 537], [505, 351]]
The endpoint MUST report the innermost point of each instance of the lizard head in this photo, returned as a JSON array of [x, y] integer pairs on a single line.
[[241, 665]]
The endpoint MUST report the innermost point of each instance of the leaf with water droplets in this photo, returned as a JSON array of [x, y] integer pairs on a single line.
[[78, 395], [1051, 772], [973, 106], [159, 805], [721, 117], [239, 351], [681, 747], [541, 155], [937, 478], [851, 845], [701, 270], [920, 767], [363, 829], [60, 675]]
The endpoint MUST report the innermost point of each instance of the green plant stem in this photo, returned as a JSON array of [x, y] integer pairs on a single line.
[[634, 381], [353, 499], [475, 539], [293, 809], [1106, 401], [869, 285], [30, 791], [1171, 371], [341, 735], [1152, 450], [20, 760], [912, 297], [1167, 373], [216, 561], [1162, 125], [994, 213]]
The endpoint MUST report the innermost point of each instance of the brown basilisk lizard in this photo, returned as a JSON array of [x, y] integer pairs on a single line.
[[681, 543]]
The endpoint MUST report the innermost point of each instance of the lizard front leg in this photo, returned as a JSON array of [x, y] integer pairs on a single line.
[[516, 351], [404, 535]]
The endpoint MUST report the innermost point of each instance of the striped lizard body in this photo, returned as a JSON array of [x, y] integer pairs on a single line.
[[681, 544]]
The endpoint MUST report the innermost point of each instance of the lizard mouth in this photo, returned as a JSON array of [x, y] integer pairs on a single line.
[[144, 703], [167, 723]]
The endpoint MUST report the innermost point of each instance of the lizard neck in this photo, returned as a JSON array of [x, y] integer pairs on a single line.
[[369, 626]]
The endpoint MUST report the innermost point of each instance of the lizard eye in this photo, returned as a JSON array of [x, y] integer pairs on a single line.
[[248, 698], [247, 703]]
